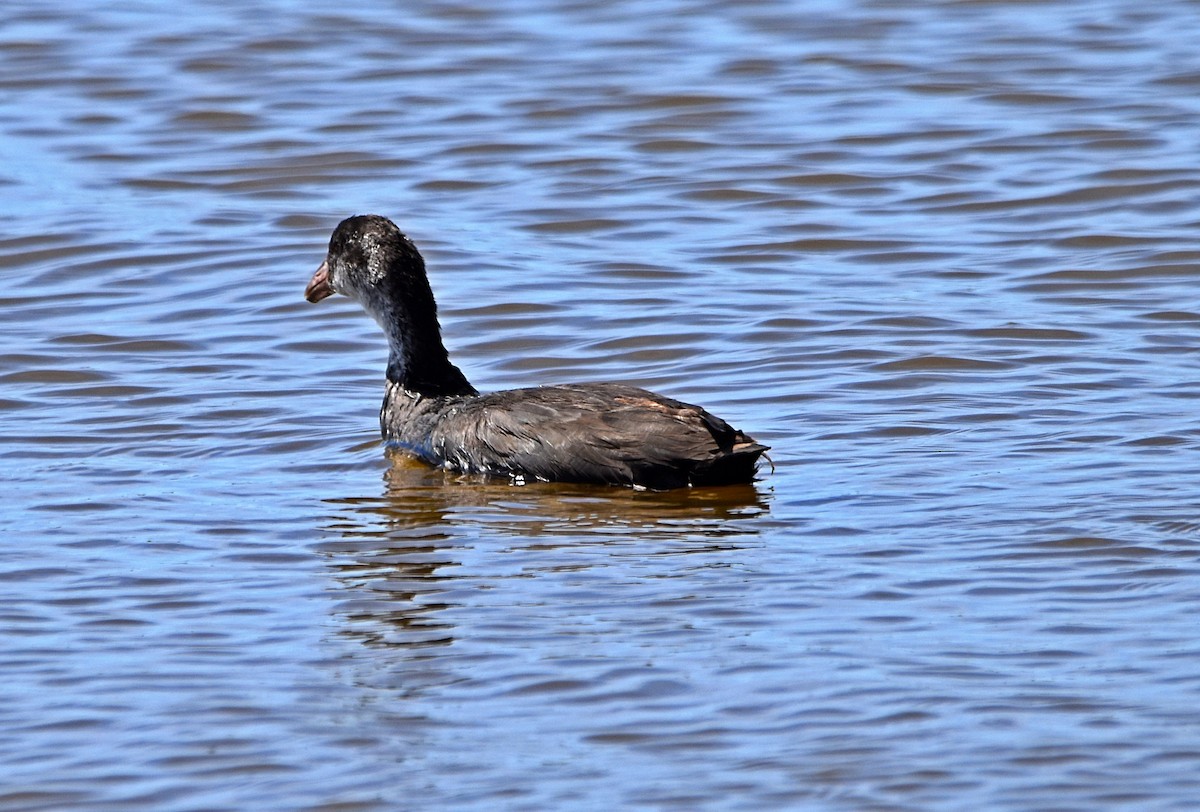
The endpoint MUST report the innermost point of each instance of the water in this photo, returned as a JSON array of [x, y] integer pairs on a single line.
[[940, 257]]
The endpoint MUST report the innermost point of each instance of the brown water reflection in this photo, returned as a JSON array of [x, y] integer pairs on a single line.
[[398, 553], [417, 493]]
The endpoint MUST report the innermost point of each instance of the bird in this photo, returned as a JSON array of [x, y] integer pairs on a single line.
[[592, 433]]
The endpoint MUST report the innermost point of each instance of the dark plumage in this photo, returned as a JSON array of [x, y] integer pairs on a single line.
[[589, 432]]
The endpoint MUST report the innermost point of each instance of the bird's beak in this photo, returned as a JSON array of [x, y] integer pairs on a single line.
[[319, 287]]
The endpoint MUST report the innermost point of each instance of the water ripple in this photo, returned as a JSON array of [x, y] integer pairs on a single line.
[[940, 257]]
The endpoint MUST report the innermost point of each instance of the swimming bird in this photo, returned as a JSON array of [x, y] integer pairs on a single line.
[[605, 433]]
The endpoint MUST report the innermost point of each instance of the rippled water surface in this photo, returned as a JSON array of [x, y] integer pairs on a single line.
[[941, 256]]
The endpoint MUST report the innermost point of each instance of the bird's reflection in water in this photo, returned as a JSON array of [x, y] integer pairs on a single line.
[[435, 541]]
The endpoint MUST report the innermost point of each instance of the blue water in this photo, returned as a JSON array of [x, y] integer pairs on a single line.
[[940, 258]]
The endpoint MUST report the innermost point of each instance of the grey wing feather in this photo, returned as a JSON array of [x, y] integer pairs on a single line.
[[612, 433]]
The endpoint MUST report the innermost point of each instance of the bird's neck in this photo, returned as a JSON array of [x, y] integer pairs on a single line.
[[426, 370], [417, 358]]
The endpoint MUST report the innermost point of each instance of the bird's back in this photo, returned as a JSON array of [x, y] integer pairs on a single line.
[[603, 433]]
